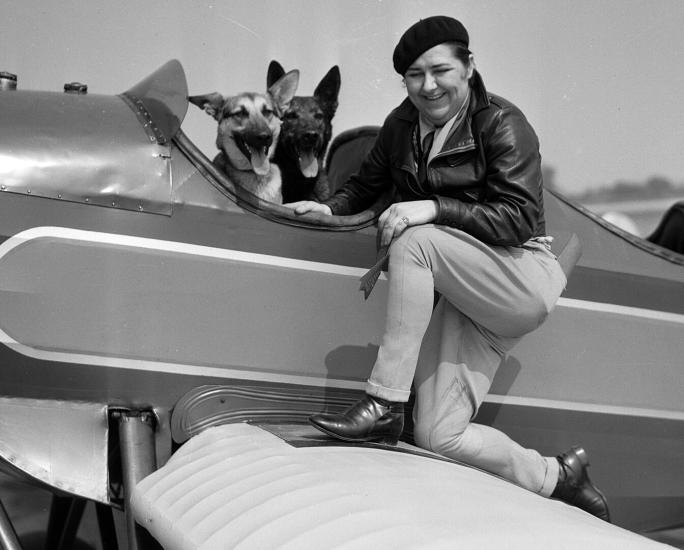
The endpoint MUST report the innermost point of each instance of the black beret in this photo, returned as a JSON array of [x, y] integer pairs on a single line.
[[424, 35]]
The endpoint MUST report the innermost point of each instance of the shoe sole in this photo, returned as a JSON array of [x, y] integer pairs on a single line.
[[383, 440]]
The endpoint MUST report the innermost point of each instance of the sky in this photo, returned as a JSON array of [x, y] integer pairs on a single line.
[[598, 79]]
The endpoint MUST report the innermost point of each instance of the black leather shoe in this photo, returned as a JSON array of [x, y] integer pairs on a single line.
[[575, 487], [370, 419]]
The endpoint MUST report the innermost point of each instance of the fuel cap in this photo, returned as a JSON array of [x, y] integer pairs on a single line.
[[75, 88], [8, 81]]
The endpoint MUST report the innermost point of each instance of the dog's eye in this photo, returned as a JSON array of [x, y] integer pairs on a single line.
[[241, 113], [267, 112], [290, 115]]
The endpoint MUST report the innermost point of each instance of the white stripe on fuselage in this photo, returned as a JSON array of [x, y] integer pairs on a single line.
[[279, 261], [584, 407], [177, 247], [295, 264]]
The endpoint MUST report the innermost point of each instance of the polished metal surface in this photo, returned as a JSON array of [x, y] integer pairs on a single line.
[[138, 460], [8, 81], [83, 148], [61, 443], [94, 149], [8, 536], [160, 101]]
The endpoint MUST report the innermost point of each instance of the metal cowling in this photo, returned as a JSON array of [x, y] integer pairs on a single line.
[[8, 81]]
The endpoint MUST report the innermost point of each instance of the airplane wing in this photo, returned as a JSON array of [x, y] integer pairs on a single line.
[[243, 486]]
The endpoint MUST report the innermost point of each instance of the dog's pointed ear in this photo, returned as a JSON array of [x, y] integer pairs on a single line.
[[283, 90], [275, 73], [328, 89], [211, 103]]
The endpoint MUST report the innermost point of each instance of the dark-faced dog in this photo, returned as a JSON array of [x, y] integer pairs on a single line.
[[304, 137], [248, 131]]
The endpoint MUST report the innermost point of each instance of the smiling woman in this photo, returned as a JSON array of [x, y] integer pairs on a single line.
[[468, 223]]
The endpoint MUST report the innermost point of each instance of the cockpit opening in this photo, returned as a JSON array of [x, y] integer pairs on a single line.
[[344, 156]]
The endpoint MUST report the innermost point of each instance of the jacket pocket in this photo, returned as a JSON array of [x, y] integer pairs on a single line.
[[456, 159]]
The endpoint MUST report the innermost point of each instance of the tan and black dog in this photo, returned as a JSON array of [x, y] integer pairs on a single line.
[[248, 131], [304, 137]]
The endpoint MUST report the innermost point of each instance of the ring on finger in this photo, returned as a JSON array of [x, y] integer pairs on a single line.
[[405, 220]]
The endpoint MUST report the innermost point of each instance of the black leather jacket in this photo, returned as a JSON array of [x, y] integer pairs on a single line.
[[487, 179]]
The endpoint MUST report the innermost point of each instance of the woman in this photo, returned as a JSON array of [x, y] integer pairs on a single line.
[[469, 223]]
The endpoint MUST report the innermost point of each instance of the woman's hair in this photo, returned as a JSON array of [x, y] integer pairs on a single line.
[[461, 52]]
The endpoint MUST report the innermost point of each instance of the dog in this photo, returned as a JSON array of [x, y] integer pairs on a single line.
[[304, 138], [248, 131]]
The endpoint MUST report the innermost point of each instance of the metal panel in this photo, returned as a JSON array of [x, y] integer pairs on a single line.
[[155, 304], [161, 100], [33, 433], [81, 147]]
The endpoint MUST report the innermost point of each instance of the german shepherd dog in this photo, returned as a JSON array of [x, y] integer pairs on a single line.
[[248, 131], [305, 133]]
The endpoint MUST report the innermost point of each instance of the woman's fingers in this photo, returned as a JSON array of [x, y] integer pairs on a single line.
[[303, 207], [393, 226], [393, 221]]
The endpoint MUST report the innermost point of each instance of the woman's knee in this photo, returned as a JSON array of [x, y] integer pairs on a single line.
[[531, 313], [443, 434], [421, 435], [440, 439], [415, 242]]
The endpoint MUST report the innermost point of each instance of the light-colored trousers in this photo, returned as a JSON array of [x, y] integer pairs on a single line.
[[490, 297]]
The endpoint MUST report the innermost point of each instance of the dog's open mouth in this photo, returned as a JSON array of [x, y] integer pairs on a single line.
[[258, 157], [308, 162]]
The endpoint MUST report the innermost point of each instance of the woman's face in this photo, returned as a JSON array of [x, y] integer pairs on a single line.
[[437, 83]]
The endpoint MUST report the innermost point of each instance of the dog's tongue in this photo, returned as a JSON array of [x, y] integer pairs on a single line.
[[308, 164], [259, 159]]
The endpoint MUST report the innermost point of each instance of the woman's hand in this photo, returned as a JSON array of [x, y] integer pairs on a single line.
[[401, 215], [304, 207]]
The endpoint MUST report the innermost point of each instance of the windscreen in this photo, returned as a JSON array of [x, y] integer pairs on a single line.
[[163, 95]]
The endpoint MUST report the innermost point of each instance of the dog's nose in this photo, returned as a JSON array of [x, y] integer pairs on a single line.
[[310, 138], [262, 139]]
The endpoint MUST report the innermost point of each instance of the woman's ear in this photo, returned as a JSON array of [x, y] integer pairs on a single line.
[[471, 65]]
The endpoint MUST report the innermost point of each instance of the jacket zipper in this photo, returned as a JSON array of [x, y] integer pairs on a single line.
[[462, 149], [414, 173]]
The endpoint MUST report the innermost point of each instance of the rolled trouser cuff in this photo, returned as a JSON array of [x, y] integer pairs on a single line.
[[551, 476], [390, 394]]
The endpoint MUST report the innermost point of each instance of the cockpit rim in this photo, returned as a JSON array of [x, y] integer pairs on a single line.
[[272, 211]]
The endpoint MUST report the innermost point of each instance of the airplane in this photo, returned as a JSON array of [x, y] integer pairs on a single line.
[[150, 310]]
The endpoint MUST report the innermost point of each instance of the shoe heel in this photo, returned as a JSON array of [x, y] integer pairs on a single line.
[[581, 455], [391, 441]]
